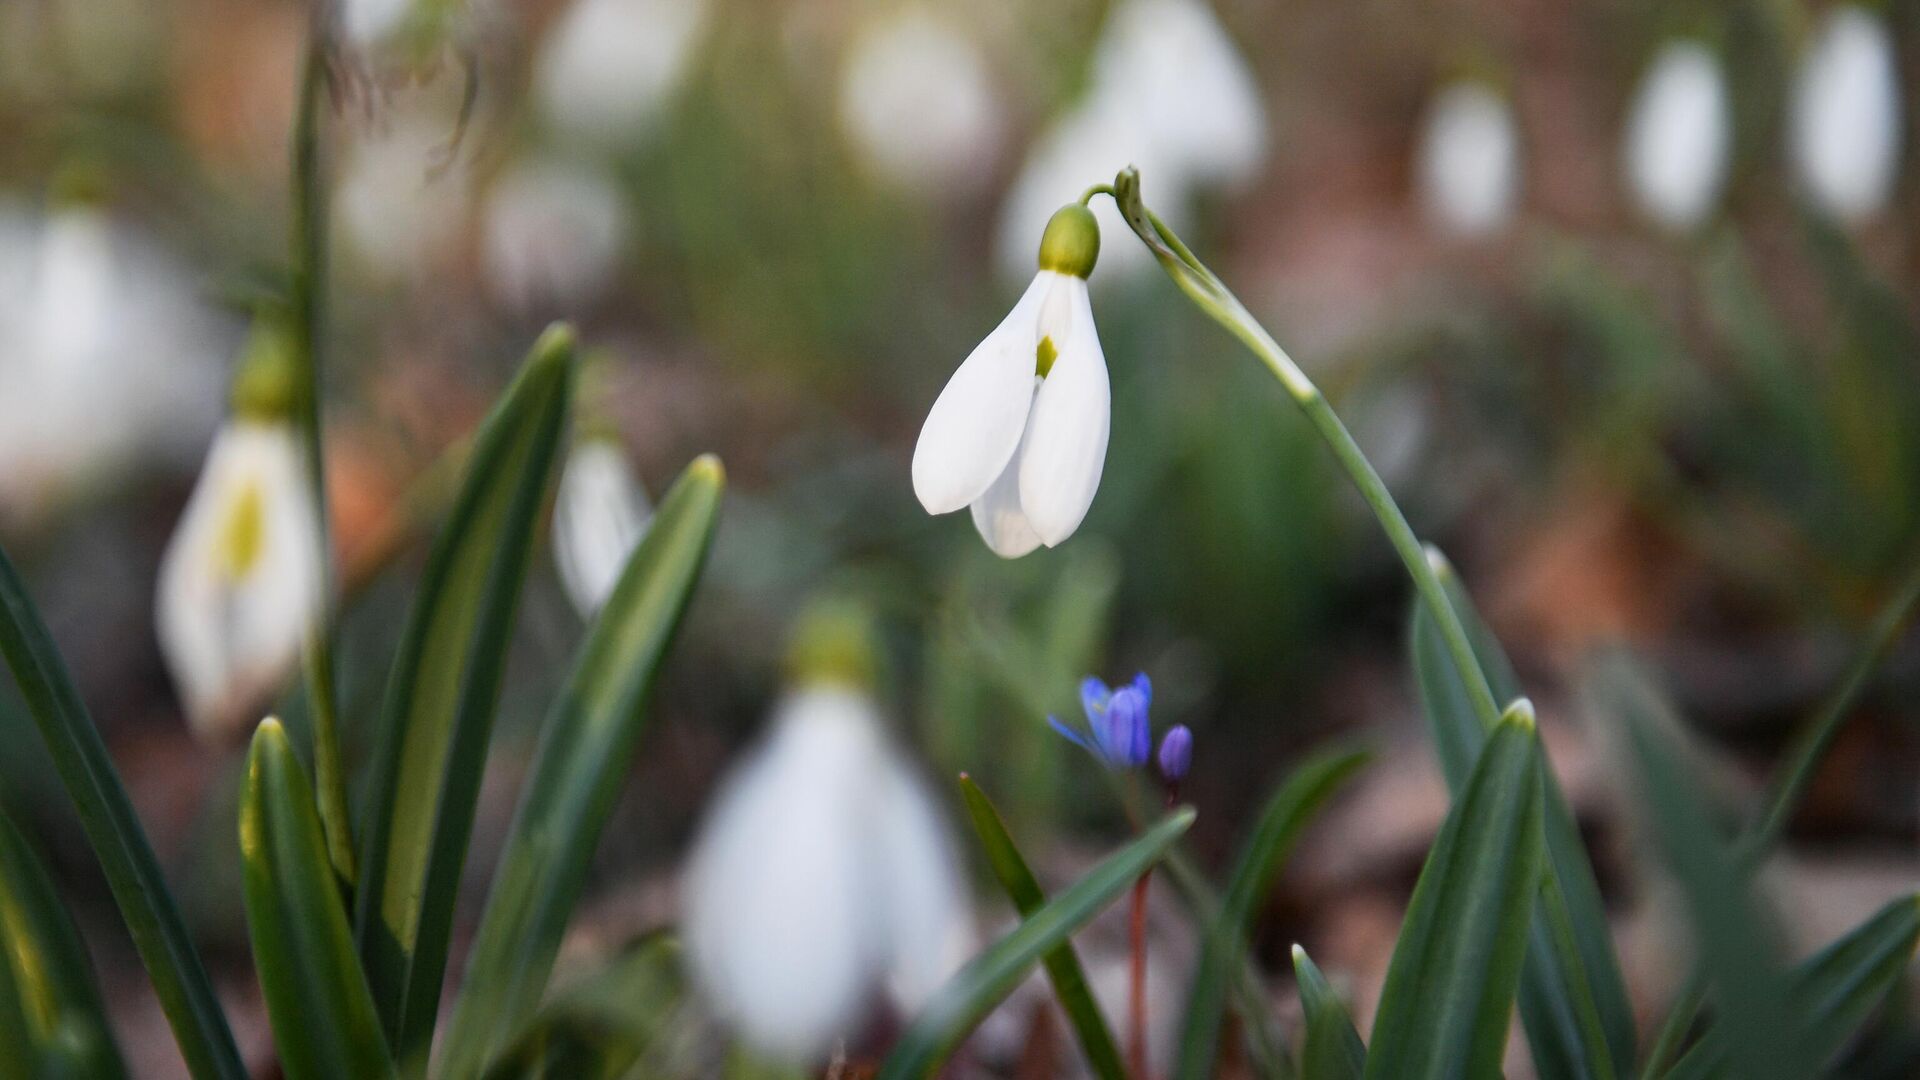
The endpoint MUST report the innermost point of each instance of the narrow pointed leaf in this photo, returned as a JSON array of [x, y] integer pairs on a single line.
[[59, 999], [1062, 963], [973, 992], [1565, 975], [114, 832], [1331, 1048], [1266, 1044], [1449, 993], [440, 702], [585, 751], [1276, 831], [599, 1028], [324, 1022]]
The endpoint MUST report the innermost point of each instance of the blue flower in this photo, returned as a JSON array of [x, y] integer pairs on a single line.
[[1118, 730], [1176, 752]]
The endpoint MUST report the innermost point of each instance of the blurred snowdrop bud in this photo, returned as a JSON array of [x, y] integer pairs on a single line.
[[1846, 115], [917, 102], [823, 873], [241, 580], [599, 515], [553, 234], [1170, 93], [1469, 159], [1019, 433], [609, 66], [1678, 136]]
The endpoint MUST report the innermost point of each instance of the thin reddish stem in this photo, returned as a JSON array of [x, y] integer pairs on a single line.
[[1137, 983]]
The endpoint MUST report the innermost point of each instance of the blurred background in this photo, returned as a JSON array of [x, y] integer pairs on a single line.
[[1620, 298]]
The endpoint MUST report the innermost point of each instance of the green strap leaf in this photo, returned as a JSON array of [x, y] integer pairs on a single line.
[[114, 832], [1449, 993], [1734, 936], [49, 972], [441, 697], [1062, 963], [324, 1022], [601, 1027], [987, 979], [1568, 975], [1266, 1044], [585, 750], [1331, 1048], [1277, 829]]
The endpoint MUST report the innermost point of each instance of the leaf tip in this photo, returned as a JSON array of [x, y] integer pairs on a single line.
[[1520, 714], [556, 343], [1437, 562], [707, 467]]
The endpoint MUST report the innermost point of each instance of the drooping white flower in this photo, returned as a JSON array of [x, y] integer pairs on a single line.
[[1020, 431], [1678, 136], [918, 103], [1846, 115], [822, 875], [240, 583], [609, 66], [1170, 93], [1469, 159], [397, 208], [553, 233], [599, 515]]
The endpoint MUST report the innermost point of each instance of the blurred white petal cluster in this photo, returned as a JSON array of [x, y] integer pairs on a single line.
[[1678, 136], [599, 515], [1846, 115], [364, 23], [106, 356], [240, 583], [1469, 163], [1170, 93], [608, 67], [397, 208], [824, 874], [918, 103], [553, 231]]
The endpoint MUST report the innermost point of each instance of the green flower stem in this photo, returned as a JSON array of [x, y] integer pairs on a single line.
[[308, 302], [1211, 296]]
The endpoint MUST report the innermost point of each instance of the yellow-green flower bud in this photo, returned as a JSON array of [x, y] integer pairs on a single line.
[[264, 386], [1071, 243], [833, 643]]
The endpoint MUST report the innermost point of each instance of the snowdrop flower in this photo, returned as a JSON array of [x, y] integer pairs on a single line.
[[1170, 93], [918, 103], [396, 210], [552, 234], [1020, 432], [1469, 159], [1845, 121], [822, 875], [599, 515], [608, 68], [1678, 135], [240, 583], [1118, 732]]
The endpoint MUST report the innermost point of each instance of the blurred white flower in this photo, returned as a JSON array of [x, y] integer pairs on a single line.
[[1020, 431], [599, 515], [1678, 136], [1469, 159], [368, 22], [918, 103], [240, 583], [553, 234], [1846, 115], [608, 67], [822, 875], [1170, 93], [397, 210]]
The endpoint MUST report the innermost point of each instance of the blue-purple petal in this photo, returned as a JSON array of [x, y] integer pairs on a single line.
[[1145, 686], [1072, 736], [1094, 697], [1176, 752]]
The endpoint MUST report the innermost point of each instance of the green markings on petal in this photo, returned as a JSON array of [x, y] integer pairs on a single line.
[[1044, 355]]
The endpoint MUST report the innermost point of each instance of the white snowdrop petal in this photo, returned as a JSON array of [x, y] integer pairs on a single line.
[[1469, 159], [1066, 444], [1677, 136], [552, 234], [1190, 84], [998, 519], [976, 423], [609, 67], [929, 925], [918, 103], [1846, 115], [599, 515]]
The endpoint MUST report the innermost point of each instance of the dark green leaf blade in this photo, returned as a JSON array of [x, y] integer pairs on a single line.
[[1448, 998], [1558, 985], [1278, 827], [1062, 963], [323, 1016], [114, 832], [585, 750], [439, 710], [1331, 1048], [992, 975]]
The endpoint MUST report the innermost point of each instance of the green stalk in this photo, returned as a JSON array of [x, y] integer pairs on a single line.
[[1213, 297], [308, 303]]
